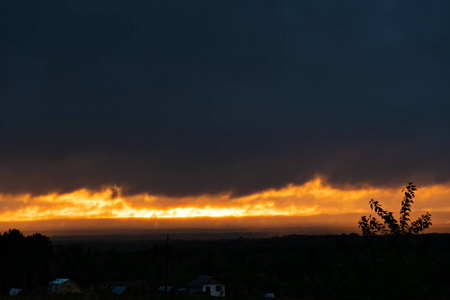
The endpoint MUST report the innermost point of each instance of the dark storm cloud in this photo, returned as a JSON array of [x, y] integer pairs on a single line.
[[191, 97]]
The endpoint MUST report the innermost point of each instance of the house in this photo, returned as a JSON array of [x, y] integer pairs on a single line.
[[131, 285], [163, 288], [209, 285], [119, 290], [63, 286], [14, 292]]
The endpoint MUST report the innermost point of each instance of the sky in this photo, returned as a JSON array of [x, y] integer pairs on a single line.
[[173, 109]]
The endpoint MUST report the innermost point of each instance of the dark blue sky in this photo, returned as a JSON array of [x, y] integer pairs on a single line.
[[191, 97]]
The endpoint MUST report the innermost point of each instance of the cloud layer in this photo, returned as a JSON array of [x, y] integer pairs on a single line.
[[193, 98]]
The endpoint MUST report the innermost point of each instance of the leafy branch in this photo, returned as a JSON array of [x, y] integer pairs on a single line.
[[370, 226]]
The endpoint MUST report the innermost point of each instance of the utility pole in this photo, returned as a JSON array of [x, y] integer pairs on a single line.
[[167, 263]]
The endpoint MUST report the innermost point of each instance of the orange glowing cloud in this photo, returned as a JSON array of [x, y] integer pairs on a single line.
[[310, 199]]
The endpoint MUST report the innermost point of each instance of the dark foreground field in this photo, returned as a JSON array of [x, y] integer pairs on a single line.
[[291, 267]]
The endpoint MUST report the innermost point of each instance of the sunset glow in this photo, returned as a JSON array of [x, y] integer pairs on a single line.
[[312, 198]]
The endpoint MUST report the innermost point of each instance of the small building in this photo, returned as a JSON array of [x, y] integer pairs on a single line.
[[132, 286], [119, 290], [163, 288], [63, 286], [14, 292], [209, 285]]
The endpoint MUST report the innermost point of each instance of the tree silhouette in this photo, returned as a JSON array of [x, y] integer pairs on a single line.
[[25, 260], [370, 226]]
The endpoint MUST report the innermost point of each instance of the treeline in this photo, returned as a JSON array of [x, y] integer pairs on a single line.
[[25, 261], [291, 267]]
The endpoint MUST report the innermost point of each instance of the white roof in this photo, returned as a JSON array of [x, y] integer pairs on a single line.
[[59, 280], [14, 292]]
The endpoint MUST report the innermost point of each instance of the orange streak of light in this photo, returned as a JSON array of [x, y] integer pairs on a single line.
[[311, 198]]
